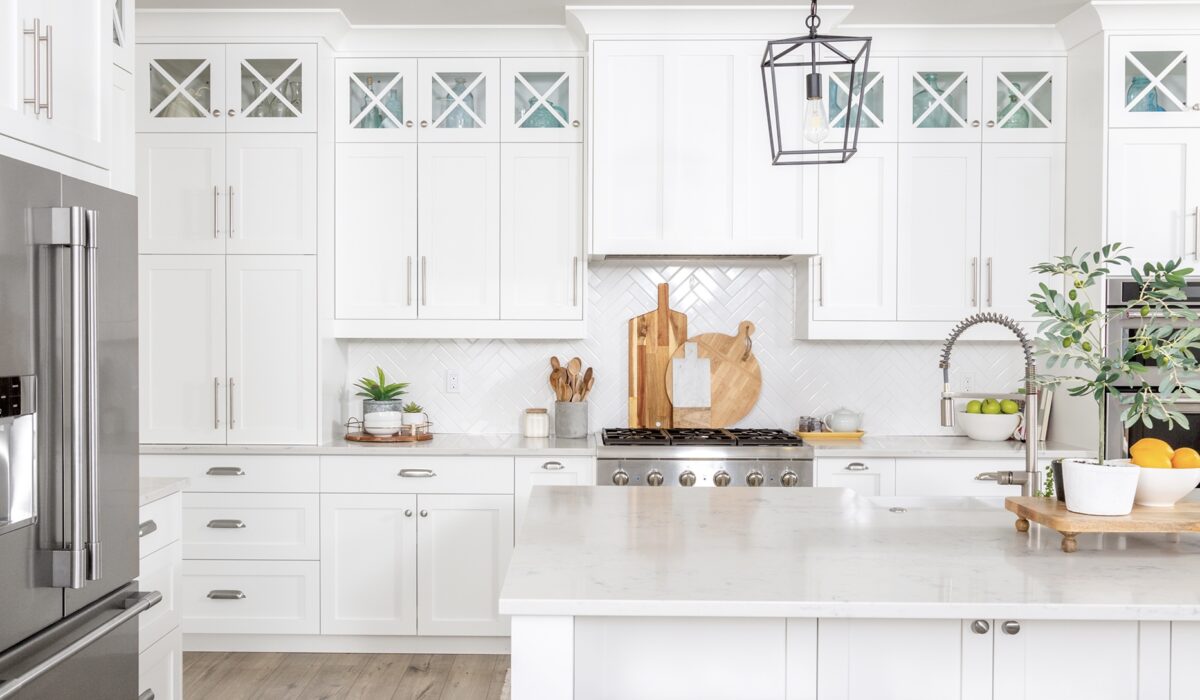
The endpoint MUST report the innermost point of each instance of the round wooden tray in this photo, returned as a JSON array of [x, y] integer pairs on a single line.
[[363, 437]]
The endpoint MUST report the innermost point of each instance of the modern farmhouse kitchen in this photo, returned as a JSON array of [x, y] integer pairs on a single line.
[[469, 350]]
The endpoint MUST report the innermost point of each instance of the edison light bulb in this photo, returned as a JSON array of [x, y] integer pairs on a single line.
[[816, 120]]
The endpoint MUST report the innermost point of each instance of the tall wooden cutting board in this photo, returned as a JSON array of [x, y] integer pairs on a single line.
[[653, 339], [736, 376]]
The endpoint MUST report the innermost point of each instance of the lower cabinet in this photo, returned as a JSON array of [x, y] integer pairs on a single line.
[[160, 669], [251, 597], [866, 477], [548, 471], [925, 478], [160, 641]]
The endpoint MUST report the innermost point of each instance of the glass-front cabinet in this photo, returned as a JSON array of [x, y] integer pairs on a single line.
[[271, 87], [1024, 99], [874, 95], [940, 99], [1151, 82], [458, 99], [376, 100], [541, 99], [180, 87], [122, 33]]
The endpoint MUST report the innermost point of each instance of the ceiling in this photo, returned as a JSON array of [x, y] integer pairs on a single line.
[[551, 11]]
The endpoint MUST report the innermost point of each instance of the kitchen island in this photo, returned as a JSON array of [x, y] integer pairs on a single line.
[[816, 593]]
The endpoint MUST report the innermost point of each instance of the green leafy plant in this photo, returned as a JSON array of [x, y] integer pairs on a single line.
[[1072, 334], [412, 407], [380, 390]]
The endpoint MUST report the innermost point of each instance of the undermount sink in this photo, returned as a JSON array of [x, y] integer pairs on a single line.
[[935, 502]]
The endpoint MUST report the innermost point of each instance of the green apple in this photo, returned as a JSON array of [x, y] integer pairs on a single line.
[[974, 407], [1009, 406], [991, 407]]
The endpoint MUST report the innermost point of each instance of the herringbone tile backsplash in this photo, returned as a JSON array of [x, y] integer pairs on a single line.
[[896, 384]]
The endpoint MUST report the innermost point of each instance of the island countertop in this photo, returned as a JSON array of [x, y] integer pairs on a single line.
[[824, 553]]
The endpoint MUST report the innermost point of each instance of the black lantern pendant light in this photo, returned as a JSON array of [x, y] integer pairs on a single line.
[[799, 129]]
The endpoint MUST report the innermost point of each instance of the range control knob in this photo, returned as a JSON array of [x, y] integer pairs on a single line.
[[688, 478], [721, 478], [754, 479], [789, 478], [654, 478], [620, 477]]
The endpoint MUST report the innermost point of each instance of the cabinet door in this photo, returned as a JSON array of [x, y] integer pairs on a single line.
[[181, 193], [458, 237], [181, 347], [375, 255], [855, 276], [463, 546], [18, 119], [866, 477], [938, 232], [272, 351], [1097, 660], [123, 36], [122, 141], [953, 477], [369, 564], [541, 99], [1025, 99], [549, 471], [866, 659], [1024, 187], [940, 99], [875, 94], [1151, 81], [376, 99], [541, 231], [458, 99], [160, 668], [78, 83], [180, 87], [271, 87], [271, 185], [1153, 177]]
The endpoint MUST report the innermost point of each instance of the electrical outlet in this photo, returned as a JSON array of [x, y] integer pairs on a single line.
[[453, 384]]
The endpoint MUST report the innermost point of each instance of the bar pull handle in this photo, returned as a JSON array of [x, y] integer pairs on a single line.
[[147, 528], [95, 568], [989, 281], [820, 263], [226, 471], [49, 105], [216, 212], [226, 524], [424, 278], [230, 392], [231, 215], [226, 594], [408, 281], [1196, 226], [575, 281], [417, 473], [974, 281], [36, 34], [216, 403]]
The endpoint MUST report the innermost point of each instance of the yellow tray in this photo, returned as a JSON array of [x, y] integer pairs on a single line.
[[832, 436]]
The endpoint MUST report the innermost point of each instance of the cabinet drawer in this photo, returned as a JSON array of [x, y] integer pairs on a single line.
[[417, 475], [251, 526], [251, 597], [158, 524], [162, 572], [954, 477], [237, 473], [160, 668], [866, 477]]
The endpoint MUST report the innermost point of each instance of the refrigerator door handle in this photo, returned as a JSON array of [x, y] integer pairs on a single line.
[[132, 606], [92, 232]]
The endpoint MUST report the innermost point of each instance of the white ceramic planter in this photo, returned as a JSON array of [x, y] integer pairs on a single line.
[[414, 418], [382, 418], [1100, 489]]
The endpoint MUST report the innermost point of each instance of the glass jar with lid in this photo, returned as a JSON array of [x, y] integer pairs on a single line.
[[537, 423]]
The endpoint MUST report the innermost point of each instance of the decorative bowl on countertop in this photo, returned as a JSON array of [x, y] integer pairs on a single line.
[[1162, 488], [988, 427]]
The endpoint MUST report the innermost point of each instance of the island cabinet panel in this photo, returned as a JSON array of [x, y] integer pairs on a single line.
[[1184, 650], [866, 659], [866, 477], [1051, 660], [548, 471], [646, 658], [953, 477]]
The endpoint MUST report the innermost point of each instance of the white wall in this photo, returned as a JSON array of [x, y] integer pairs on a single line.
[[896, 384]]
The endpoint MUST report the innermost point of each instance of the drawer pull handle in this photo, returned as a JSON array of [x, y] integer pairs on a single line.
[[417, 473], [226, 524], [226, 471], [147, 528], [553, 466], [224, 594], [857, 467]]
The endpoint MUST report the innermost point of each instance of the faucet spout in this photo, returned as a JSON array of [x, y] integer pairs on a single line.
[[1030, 479]]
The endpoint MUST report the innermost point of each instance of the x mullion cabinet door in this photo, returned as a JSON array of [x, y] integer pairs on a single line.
[[181, 87], [1152, 82], [940, 99], [541, 99], [874, 95], [1025, 99], [376, 100], [458, 100], [182, 198], [271, 87], [271, 185]]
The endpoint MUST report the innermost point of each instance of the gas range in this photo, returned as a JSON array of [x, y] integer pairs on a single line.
[[717, 457]]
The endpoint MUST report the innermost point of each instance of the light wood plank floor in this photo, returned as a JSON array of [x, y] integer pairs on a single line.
[[242, 676]]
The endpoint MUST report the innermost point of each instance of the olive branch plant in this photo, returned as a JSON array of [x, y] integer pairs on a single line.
[[1072, 337]]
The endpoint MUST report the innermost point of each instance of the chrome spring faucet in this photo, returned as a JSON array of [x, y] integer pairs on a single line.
[[1029, 479]]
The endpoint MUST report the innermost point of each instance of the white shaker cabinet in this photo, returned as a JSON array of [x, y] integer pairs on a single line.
[[1152, 83], [940, 99], [1154, 192], [122, 140], [876, 94], [181, 193], [548, 471], [541, 99], [868, 659], [541, 231], [1025, 99], [866, 477], [1104, 668], [270, 185], [123, 37], [180, 87], [181, 342]]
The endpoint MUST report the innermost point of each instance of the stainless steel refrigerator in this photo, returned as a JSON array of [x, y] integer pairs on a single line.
[[68, 438]]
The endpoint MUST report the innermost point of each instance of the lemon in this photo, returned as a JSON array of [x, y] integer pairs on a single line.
[[1185, 458]]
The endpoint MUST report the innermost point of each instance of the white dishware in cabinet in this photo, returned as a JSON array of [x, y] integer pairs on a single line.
[[1151, 81], [181, 341], [542, 268], [866, 477], [181, 87], [458, 231], [160, 669], [375, 239], [272, 349], [458, 100], [1025, 99], [271, 185], [251, 597], [541, 99], [876, 90], [375, 100], [940, 99], [548, 471], [1153, 181], [271, 87], [369, 564], [463, 546], [181, 193], [251, 526]]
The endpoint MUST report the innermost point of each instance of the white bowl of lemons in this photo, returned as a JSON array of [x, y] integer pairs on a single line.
[[990, 420]]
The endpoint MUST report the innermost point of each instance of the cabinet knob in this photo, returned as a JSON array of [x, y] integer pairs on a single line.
[[980, 627], [975, 123], [425, 514], [424, 123], [232, 112], [216, 112], [408, 512], [991, 123], [575, 122], [1011, 627], [408, 123], [1196, 107]]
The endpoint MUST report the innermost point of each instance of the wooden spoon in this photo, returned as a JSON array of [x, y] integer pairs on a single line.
[[585, 383]]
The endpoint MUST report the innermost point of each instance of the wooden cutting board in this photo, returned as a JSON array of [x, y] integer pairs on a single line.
[[736, 377], [691, 389], [653, 339]]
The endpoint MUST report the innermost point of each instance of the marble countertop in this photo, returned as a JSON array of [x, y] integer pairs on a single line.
[[937, 446], [445, 444], [152, 488], [825, 553]]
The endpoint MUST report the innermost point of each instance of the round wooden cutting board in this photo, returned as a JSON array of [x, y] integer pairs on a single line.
[[736, 376]]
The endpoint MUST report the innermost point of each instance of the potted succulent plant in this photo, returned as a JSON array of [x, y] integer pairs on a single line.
[[413, 414], [381, 404], [1071, 337]]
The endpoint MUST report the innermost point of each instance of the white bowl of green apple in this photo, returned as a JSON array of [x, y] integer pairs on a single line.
[[990, 420]]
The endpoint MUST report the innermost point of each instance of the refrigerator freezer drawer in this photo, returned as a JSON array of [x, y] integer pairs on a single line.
[[251, 597], [251, 526]]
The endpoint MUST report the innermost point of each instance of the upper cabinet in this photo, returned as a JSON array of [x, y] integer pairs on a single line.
[[1151, 82], [1154, 193], [541, 99], [376, 99], [458, 99], [941, 99], [874, 95], [235, 87], [122, 33], [1025, 99]]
